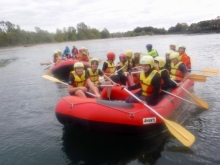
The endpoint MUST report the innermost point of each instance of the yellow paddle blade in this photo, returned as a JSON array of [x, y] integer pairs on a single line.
[[51, 78], [192, 58], [197, 77], [199, 101], [213, 72], [180, 133]]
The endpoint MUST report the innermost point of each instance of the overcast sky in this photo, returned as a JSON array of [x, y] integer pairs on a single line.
[[115, 15]]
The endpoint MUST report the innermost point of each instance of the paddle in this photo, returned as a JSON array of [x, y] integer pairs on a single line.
[[194, 77], [184, 136], [56, 80], [183, 99], [197, 77], [196, 98], [213, 72]]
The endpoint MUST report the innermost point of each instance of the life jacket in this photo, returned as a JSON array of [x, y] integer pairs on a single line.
[[175, 73], [160, 72], [184, 58], [55, 60], [146, 83], [125, 69], [79, 81], [110, 68], [94, 77]]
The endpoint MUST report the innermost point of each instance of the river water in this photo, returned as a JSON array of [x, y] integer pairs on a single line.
[[31, 134]]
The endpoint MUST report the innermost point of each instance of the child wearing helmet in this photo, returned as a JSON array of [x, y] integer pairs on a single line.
[[149, 82], [94, 74], [178, 71], [123, 67], [109, 67], [164, 73], [78, 80], [167, 55]]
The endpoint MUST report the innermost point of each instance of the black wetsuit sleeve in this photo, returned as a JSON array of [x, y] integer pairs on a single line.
[[156, 82], [100, 73], [166, 78], [104, 67], [135, 86], [71, 80]]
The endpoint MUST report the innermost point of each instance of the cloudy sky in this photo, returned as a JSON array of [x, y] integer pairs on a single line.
[[115, 15]]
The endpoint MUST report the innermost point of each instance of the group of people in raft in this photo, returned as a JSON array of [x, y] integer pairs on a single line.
[[153, 73]]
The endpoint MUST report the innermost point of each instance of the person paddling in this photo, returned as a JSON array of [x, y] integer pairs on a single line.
[[184, 57], [109, 67], [178, 71], [149, 82], [164, 73], [78, 82], [97, 77]]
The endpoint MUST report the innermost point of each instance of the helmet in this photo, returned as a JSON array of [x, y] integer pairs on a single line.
[[149, 46], [94, 59], [78, 65], [55, 52], [174, 55], [129, 53], [59, 51], [161, 61], [169, 52], [182, 46], [111, 56], [147, 60], [123, 56], [173, 45]]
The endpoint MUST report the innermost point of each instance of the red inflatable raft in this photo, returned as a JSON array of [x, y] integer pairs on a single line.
[[117, 116], [63, 68]]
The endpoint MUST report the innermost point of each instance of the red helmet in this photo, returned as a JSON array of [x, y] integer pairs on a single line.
[[122, 56], [111, 56]]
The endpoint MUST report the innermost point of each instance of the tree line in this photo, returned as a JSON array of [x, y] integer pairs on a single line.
[[13, 35]]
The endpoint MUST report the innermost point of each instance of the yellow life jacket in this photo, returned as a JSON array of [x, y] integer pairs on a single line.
[[79, 81], [125, 69], [94, 77], [110, 68], [175, 73], [146, 83]]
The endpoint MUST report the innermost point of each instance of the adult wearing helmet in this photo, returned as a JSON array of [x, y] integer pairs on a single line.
[[167, 55], [95, 76], [184, 57], [164, 74], [150, 82], [151, 51], [124, 67], [178, 71], [78, 80], [109, 67], [173, 47], [55, 59]]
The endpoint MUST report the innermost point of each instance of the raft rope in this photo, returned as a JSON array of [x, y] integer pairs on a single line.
[[131, 114]]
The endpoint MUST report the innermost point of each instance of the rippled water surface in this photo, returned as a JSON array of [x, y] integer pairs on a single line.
[[31, 134]]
